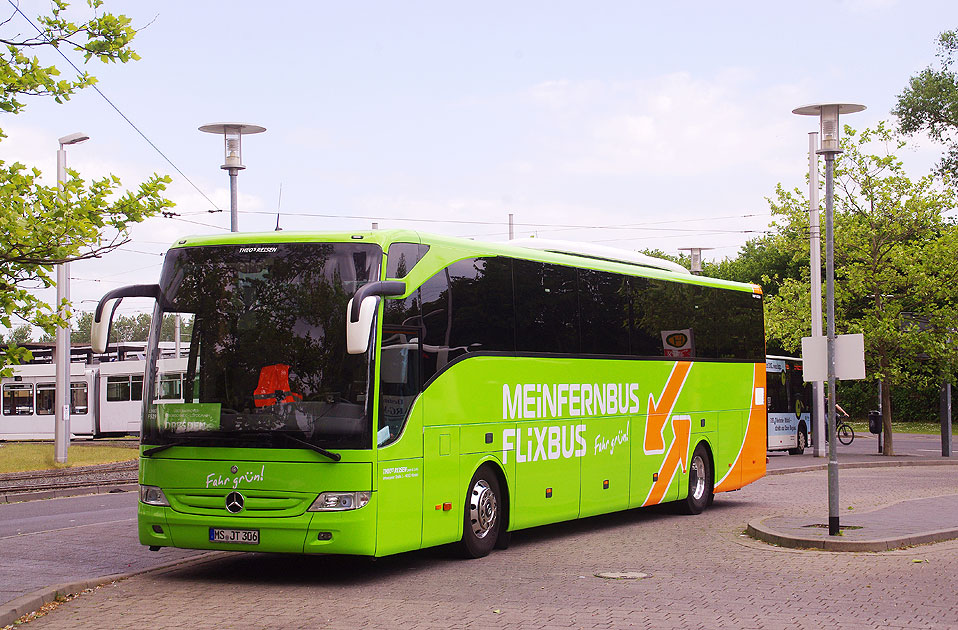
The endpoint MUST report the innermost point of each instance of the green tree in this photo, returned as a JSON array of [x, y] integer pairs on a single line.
[[20, 335], [891, 283], [131, 328], [40, 226], [930, 102]]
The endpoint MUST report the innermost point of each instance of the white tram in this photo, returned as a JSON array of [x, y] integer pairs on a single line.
[[105, 398]]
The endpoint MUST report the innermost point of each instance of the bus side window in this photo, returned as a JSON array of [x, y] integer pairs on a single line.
[[399, 380], [547, 313], [402, 257]]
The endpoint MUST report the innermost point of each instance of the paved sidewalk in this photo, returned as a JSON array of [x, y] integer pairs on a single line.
[[902, 524]]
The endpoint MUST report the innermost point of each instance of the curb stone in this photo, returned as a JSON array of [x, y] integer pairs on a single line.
[[18, 497], [760, 531], [31, 602], [944, 461]]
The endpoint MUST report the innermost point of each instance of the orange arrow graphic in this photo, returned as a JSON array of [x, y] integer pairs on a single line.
[[678, 454], [659, 413]]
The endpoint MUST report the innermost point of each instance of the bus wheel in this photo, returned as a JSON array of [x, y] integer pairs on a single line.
[[801, 442], [700, 482], [482, 514]]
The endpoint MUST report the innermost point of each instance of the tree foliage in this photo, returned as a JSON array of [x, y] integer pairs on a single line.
[[930, 102], [41, 226], [892, 280]]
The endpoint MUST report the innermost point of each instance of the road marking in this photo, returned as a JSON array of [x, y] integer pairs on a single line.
[[63, 529]]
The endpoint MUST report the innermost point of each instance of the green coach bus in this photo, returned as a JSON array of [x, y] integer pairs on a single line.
[[378, 392]]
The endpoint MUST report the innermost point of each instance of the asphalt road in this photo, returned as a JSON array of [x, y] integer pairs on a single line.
[[53, 541]]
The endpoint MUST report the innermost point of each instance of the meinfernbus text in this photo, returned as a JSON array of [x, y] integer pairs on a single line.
[[377, 392]]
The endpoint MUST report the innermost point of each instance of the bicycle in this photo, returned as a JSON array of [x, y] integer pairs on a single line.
[[846, 435]]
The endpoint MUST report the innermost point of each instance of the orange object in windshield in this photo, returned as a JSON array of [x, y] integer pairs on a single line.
[[273, 386]]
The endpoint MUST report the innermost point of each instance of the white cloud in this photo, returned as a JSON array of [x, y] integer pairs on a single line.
[[673, 124]]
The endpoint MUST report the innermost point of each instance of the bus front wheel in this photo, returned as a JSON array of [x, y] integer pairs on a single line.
[[701, 482], [483, 514]]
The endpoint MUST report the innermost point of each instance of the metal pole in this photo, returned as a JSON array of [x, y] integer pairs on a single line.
[[176, 335], [234, 218], [815, 250], [511, 231], [833, 518], [61, 396], [946, 420]]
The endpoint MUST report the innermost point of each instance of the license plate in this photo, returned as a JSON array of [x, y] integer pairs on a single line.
[[237, 536]]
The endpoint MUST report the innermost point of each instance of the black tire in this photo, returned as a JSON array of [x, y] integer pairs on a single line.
[[701, 482], [845, 434], [802, 442], [482, 520]]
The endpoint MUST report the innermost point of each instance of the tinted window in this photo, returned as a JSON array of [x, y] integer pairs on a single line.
[[605, 312], [402, 257], [546, 308], [723, 323]]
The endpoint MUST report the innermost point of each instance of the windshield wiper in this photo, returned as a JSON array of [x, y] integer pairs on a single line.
[[156, 449], [319, 449]]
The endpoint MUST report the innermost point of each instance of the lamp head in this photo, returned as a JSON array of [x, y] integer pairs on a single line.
[[232, 140], [828, 114], [74, 138]]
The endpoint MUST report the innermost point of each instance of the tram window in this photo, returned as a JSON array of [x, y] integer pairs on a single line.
[[117, 388], [18, 399], [171, 387], [79, 402], [46, 398], [136, 387]]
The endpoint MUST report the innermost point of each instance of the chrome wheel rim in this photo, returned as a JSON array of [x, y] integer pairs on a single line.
[[482, 508], [697, 478]]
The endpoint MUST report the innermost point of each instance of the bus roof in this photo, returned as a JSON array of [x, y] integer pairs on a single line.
[[454, 248]]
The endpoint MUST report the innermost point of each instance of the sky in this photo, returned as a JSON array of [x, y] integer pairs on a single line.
[[630, 124]]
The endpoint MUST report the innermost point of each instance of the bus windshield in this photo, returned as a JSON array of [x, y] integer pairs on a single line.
[[266, 364]]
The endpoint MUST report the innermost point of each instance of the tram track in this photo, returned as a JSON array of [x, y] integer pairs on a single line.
[[101, 475]]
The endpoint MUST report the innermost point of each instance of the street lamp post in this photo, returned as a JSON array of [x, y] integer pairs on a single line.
[[61, 434], [828, 114], [815, 255], [233, 162], [696, 254]]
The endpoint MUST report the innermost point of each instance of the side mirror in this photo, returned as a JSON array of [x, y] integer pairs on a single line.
[[100, 329], [359, 332], [361, 311]]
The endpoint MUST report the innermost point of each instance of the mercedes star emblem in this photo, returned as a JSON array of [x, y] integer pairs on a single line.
[[234, 502]]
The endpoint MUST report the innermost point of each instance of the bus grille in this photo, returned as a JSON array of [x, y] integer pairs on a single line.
[[257, 503]]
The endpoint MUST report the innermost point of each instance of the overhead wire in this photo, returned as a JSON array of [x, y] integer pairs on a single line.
[[96, 88]]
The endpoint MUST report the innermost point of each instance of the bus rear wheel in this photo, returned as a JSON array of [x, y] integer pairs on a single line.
[[701, 482], [483, 514], [801, 442]]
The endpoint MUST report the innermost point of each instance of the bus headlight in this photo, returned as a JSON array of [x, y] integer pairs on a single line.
[[339, 501], [151, 495]]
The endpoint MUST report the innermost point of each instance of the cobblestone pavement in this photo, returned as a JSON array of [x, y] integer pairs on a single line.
[[703, 573]]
